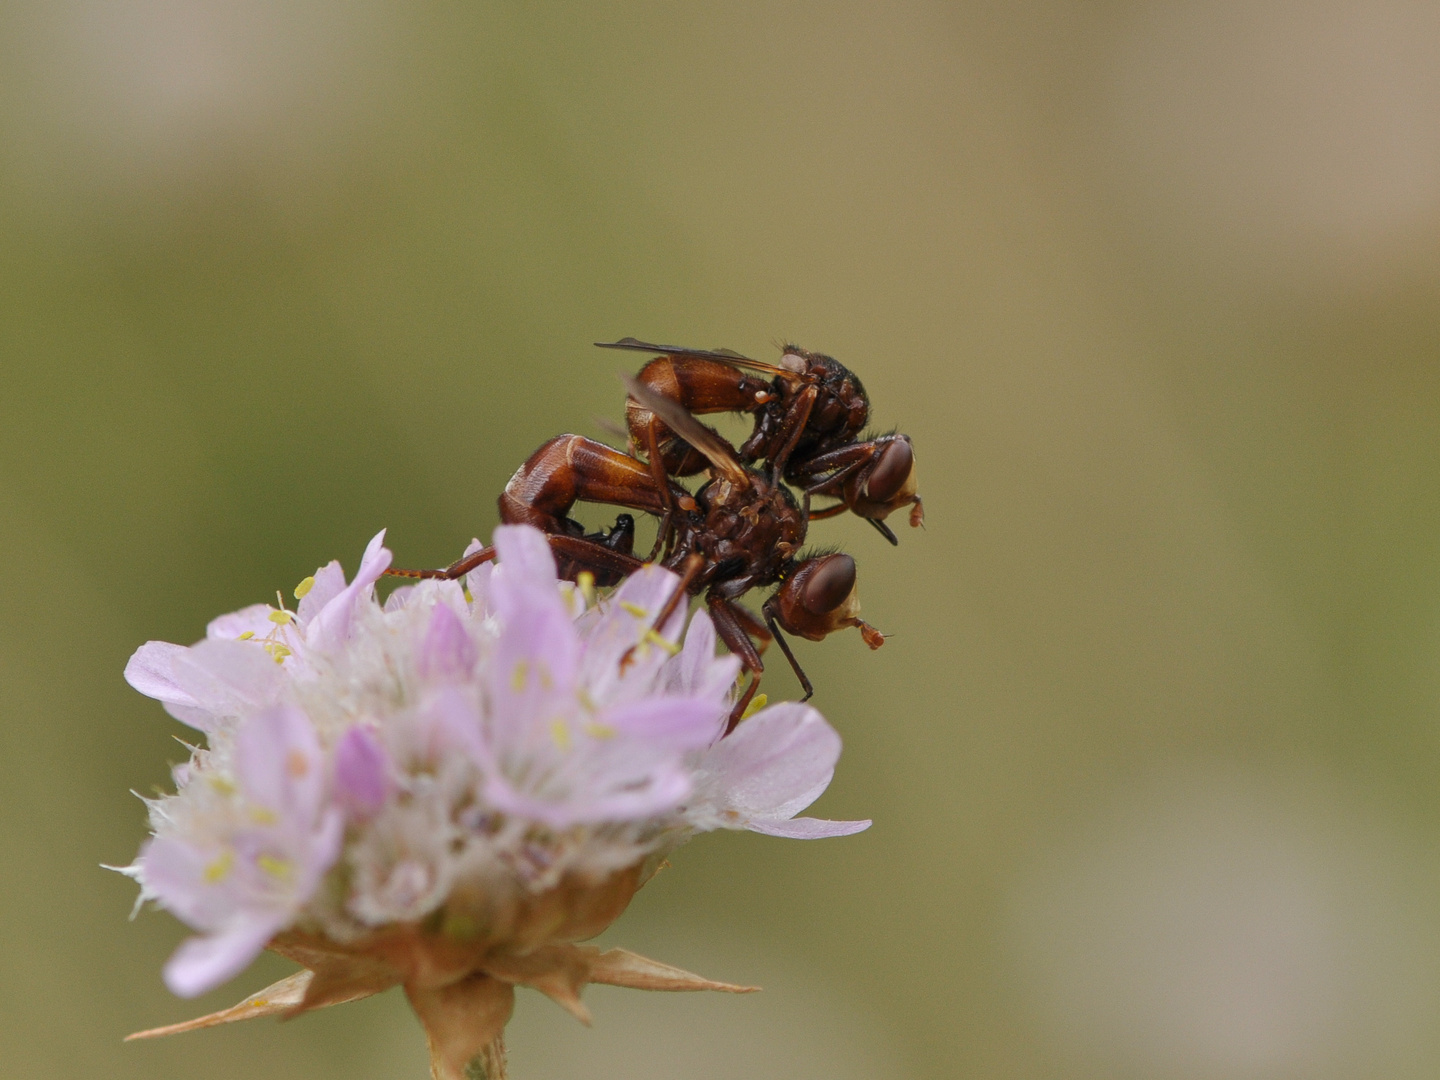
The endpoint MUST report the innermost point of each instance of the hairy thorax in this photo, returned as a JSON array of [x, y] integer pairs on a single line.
[[758, 526]]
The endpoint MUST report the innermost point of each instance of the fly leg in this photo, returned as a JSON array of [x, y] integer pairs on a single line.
[[583, 553], [693, 565], [731, 627], [790, 656], [458, 569]]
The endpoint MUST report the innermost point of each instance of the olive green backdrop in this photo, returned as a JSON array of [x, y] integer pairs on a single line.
[[1152, 749]]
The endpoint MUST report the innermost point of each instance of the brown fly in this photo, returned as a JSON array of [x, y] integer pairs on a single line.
[[809, 413], [741, 530]]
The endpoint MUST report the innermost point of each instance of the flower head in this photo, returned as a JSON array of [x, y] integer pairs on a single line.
[[448, 790]]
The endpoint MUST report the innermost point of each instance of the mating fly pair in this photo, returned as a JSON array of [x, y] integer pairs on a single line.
[[742, 528]]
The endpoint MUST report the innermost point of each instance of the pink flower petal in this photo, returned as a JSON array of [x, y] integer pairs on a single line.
[[447, 651], [682, 723], [526, 554], [806, 828], [329, 583], [279, 765], [206, 683], [150, 671], [203, 963], [174, 872], [771, 767], [697, 671], [660, 791], [254, 619], [362, 772], [331, 624]]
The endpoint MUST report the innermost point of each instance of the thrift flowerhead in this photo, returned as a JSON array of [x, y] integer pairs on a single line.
[[449, 790]]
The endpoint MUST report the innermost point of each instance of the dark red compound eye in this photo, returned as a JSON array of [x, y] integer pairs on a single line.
[[891, 472], [829, 585]]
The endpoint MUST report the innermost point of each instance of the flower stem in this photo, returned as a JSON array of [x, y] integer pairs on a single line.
[[489, 1064]]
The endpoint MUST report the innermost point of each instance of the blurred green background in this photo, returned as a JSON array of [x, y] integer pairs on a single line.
[[1152, 750]]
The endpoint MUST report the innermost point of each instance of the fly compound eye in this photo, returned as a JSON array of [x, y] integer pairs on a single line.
[[829, 585], [892, 471]]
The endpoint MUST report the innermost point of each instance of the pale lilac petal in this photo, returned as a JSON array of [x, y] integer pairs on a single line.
[[772, 766], [622, 626], [208, 682], [254, 619], [175, 873], [329, 583], [228, 677], [331, 624], [676, 722], [806, 828], [697, 671], [318, 853], [150, 672], [203, 963], [660, 791], [650, 589], [399, 598], [362, 772], [533, 669], [525, 554], [452, 725], [537, 653], [447, 651], [478, 581], [279, 765]]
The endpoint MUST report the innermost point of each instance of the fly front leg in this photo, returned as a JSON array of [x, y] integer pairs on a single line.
[[826, 474], [790, 656], [873, 479], [732, 631], [796, 417]]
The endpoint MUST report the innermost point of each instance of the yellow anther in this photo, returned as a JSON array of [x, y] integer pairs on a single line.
[[757, 703], [304, 587], [586, 701], [635, 609], [560, 733], [276, 868], [219, 870], [468, 598], [261, 816], [665, 643], [517, 680], [585, 581], [599, 731], [246, 636], [281, 617], [222, 785]]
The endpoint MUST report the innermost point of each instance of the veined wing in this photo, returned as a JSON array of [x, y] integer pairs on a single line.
[[725, 356], [719, 453]]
